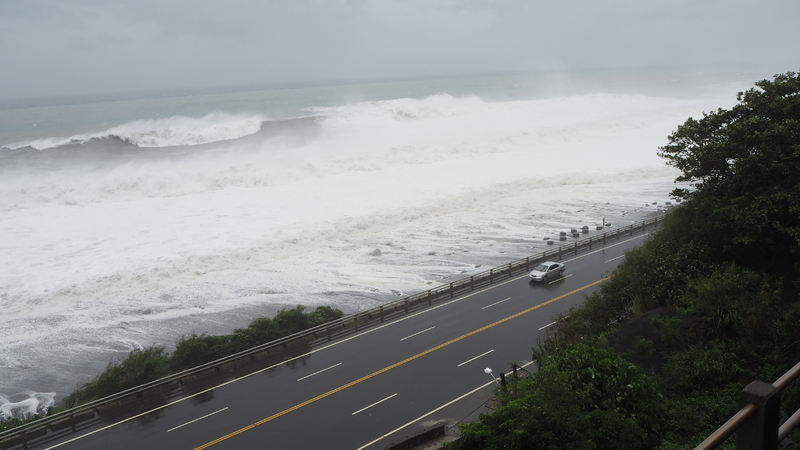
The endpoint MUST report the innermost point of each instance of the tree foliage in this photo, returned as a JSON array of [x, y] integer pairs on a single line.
[[723, 269], [582, 397], [743, 164]]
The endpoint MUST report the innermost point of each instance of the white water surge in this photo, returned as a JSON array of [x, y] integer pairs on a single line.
[[355, 206]]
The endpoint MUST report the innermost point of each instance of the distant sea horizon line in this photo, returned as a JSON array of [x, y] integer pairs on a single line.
[[47, 100]]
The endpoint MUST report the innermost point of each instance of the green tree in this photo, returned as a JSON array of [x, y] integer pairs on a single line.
[[743, 164]]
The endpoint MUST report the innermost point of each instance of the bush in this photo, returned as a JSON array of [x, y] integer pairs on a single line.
[[152, 363], [139, 367], [732, 300], [582, 397]]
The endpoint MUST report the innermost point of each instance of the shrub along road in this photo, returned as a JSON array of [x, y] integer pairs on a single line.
[[359, 391]]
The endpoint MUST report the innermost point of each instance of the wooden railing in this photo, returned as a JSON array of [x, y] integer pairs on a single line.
[[756, 423]]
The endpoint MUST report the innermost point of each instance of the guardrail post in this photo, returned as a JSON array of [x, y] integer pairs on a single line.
[[451, 290], [491, 276], [604, 238], [405, 303], [472, 282], [576, 248], [590, 243], [381, 313], [760, 432]]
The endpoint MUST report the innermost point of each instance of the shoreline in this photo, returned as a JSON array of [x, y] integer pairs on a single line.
[[224, 322]]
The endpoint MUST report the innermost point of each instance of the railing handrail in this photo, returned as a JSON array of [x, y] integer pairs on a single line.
[[327, 327], [728, 428], [734, 423]]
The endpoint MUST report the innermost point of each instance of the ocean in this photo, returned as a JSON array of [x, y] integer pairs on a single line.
[[128, 221]]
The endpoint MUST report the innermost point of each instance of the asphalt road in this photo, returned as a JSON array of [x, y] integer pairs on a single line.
[[374, 388]]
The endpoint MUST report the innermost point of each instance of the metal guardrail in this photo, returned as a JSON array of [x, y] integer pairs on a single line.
[[326, 332], [757, 420]]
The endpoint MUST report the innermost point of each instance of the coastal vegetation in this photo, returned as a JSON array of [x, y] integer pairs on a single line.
[[657, 356], [151, 363]]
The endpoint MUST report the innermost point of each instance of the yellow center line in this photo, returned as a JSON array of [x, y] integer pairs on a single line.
[[386, 369]]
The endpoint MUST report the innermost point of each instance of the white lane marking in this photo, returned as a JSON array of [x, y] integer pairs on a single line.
[[370, 406], [341, 341], [607, 246], [497, 303], [553, 323], [473, 359], [435, 410], [318, 372], [199, 418], [560, 278], [612, 259], [418, 332]]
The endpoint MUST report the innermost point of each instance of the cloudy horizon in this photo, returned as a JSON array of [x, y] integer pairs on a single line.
[[79, 47]]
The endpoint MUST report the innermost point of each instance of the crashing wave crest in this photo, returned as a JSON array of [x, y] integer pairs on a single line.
[[173, 131], [404, 109]]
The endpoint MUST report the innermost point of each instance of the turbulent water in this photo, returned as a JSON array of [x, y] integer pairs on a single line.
[[125, 223]]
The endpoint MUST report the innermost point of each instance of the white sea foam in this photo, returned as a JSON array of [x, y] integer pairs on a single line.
[[27, 405], [384, 199]]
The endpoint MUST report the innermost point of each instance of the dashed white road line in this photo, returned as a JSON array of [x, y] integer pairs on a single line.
[[553, 323], [332, 344], [435, 410], [497, 303], [605, 247], [318, 372], [473, 359], [612, 259], [370, 406], [199, 418], [418, 332], [560, 278]]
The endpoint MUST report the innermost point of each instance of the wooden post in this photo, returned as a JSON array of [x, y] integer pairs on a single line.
[[760, 432]]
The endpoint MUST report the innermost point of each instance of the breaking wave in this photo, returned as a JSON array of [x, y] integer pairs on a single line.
[[175, 131], [26, 406]]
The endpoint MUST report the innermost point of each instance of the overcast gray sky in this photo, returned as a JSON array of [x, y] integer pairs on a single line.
[[66, 47]]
